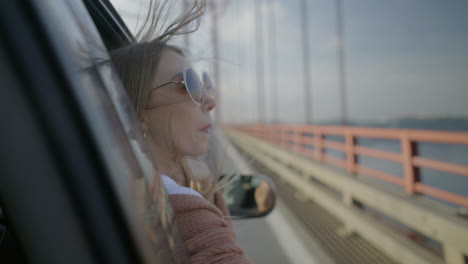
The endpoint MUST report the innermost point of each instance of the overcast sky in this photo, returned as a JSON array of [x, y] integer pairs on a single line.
[[403, 58]]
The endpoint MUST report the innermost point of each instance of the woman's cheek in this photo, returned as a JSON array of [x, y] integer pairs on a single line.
[[196, 140], [200, 142], [191, 141]]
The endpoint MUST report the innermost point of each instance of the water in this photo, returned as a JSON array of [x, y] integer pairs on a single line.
[[457, 154]]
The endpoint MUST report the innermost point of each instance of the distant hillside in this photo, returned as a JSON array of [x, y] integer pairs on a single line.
[[446, 124]]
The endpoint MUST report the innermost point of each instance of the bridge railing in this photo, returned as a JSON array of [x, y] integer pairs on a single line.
[[311, 141]]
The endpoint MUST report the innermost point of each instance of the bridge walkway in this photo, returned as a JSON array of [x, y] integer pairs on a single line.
[[359, 219], [326, 229]]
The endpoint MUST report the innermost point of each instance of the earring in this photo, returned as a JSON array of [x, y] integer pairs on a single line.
[[145, 128]]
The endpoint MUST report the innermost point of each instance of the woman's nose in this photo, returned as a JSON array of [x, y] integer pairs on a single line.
[[209, 103]]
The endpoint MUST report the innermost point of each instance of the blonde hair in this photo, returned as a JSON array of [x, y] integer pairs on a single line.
[[136, 65], [138, 62]]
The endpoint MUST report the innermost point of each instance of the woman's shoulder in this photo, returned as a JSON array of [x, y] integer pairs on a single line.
[[208, 236]]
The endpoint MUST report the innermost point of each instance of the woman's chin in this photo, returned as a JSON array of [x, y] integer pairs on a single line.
[[198, 146], [196, 153], [202, 138], [202, 150], [198, 149]]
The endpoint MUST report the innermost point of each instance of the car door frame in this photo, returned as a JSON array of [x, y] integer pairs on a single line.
[[50, 164]]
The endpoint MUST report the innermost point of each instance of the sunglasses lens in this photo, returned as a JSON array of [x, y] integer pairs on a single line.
[[210, 91], [193, 84]]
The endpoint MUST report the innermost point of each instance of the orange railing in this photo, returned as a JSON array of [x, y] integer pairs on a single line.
[[297, 137]]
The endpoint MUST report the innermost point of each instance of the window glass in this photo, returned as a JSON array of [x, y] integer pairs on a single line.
[[134, 176]]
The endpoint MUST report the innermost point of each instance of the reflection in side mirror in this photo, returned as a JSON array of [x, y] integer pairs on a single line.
[[248, 195]]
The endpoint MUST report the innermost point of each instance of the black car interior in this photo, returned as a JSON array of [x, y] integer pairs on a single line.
[[115, 34], [9, 250]]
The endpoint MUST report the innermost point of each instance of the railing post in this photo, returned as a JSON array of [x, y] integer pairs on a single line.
[[271, 129], [258, 130], [408, 150], [351, 161], [350, 152], [282, 133], [318, 138], [300, 137], [272, 134], [288, 142], [269, 133], [262, 131], [278, 135], [453, 256], [347, 229], [288, 136], [296, 139]]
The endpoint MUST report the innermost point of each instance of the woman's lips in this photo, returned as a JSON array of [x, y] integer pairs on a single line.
[[206, 128]]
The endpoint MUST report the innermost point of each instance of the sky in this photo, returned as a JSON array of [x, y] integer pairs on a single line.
[[402, 58]]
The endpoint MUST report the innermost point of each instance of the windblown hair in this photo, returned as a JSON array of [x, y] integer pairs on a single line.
[[137, 62], [136, 65], [158, 26]]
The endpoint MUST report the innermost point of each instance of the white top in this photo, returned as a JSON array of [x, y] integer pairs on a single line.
[[172, 187]]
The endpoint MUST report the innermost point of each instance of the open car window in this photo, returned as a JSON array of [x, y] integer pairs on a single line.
[[133, 176], [150, 199]]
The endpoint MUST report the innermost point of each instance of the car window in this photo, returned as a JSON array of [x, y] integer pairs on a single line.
[[133, 175]]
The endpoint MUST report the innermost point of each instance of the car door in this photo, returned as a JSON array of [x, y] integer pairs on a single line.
[[77, 184]]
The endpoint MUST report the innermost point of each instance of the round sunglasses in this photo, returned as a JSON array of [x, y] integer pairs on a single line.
[[196, 89]]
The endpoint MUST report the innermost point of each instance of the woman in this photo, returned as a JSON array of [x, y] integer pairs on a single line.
[[174, 110], [175, 121]]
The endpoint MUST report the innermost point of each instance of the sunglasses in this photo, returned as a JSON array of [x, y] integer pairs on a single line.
[[196, 89], [209, 87]]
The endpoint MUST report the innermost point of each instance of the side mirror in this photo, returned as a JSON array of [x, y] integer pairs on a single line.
[[248, 196]]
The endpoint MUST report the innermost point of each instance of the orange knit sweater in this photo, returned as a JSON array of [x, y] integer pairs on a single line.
[[208, 237]]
